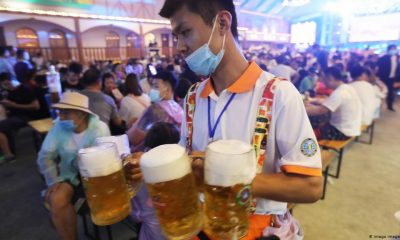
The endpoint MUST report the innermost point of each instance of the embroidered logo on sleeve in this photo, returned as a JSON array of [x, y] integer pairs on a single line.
[[308, 147]]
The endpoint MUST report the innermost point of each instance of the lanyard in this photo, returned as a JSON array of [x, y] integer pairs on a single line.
[[211, 130]]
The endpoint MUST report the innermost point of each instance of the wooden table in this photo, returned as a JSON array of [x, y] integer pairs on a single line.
[[41, 128]]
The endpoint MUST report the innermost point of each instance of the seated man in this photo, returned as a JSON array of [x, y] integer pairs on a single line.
[[164, 110], [21, 104], [344, 106], [366, 92], [100, 103], [77, 127]]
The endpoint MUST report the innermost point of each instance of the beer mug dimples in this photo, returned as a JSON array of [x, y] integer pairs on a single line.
[[122, 143], [167, 173], [230, 167], [104, 184]]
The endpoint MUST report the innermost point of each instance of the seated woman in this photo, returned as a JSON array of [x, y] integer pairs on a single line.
[[77, 127], [135, 102], [110, 88], [143, 211], [165, 110]]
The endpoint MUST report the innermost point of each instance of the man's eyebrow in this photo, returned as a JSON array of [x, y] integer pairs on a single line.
[[177, 29]]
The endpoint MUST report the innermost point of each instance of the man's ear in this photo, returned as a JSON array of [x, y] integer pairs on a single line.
[[224, 22]]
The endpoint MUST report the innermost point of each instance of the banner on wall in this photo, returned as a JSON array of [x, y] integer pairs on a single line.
[[61, 3]]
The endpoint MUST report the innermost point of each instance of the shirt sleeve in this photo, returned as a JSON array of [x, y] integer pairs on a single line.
[[333, 102], [47, 156], [183, 137], [150, 116], [114, 113], [295, 139]]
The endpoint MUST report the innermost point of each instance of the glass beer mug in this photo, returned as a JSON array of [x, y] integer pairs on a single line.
[[230, 167], [124, 151], [171, 185], [104, 184]]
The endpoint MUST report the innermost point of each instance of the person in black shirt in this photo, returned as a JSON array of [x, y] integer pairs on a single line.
[[21, 104], [73, 81]]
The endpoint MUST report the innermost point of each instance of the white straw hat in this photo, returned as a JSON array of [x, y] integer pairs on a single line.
[[74, 101]]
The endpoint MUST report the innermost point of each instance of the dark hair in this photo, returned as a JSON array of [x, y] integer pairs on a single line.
[[90, 77], [63, 71], [168, 77], [207, 9], [356, 72], [5, 76], [20, 53], [107, 75], [282, 59], [3, 50], [75, 67], [182, 88], [161, 133], [391, 46], [132, 85], [334, 72]]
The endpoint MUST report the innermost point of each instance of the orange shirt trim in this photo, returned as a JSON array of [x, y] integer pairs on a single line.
[[302, 170], [245, 83]]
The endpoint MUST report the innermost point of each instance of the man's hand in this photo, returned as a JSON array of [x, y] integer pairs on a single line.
[[198, 167], [7, 103], [133, 174]]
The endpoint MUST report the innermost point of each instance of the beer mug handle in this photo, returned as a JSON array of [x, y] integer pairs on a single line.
[[133, 188]]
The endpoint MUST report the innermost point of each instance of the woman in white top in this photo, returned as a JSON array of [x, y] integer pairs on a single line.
[[135, 102]]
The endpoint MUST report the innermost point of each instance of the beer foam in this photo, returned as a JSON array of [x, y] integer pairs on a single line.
[[229, 162], [165, 163], [122, 143], [99, 160]]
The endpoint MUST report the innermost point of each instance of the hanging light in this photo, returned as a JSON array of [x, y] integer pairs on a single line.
[[295, 3]]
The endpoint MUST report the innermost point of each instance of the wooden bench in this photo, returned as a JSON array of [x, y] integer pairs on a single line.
[[367, 129], [337, 146]]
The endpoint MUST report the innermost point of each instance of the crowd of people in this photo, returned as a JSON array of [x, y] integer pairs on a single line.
[[146, 100]]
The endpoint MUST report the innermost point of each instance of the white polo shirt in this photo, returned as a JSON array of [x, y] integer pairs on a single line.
[[289, 130], [346, 110], [368, 98]]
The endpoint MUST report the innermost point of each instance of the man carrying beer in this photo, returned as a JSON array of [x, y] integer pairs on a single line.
[[240, 101]]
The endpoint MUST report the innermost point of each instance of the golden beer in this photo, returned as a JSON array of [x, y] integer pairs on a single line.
[[108, 198], [124, 151], [171, 184], [177, 207], [227, 211], [230, 166], [104, 184]]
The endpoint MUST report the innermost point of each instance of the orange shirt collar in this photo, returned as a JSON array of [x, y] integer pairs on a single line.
[[244, 84]]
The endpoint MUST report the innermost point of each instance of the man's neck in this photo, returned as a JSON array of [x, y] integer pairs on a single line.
[[232, 66], [169, 97], [82, 127], [93, 89], [340, 83]]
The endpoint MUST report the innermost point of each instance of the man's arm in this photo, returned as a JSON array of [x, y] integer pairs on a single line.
[[46, 158], [314, 110], [34, 105], [287, 187]]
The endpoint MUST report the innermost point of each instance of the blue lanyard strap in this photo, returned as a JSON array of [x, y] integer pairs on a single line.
[[211, 130]]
